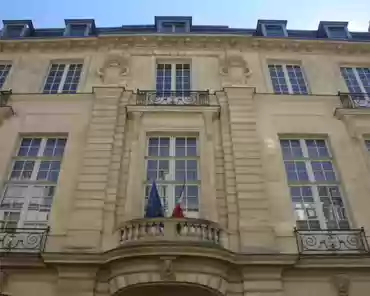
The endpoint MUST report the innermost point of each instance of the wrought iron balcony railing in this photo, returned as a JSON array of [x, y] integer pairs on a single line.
[[25, 240], [171, 229], [199, 98], [350, 241], [355, 100]]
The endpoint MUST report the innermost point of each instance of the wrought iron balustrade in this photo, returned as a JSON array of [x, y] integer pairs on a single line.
[[199, 98], [350, 241], [170, 229], [23, 239], [355, 100]]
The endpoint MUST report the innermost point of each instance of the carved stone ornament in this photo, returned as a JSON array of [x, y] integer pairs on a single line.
[[167, 272], [234, 69], [341, 283], [115, 67]]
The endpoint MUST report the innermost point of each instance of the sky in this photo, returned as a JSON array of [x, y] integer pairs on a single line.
[[301, 14]]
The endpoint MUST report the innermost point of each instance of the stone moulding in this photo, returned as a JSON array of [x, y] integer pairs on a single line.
[[186, 42]]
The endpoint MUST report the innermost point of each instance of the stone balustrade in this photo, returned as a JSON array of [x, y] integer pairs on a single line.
[[170, 229]]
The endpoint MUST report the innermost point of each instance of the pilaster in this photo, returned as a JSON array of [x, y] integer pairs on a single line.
[[76, 281], [96, 179], [244, 159]]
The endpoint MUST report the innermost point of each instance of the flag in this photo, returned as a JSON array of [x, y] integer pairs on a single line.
[[154, 208], [177, 211]]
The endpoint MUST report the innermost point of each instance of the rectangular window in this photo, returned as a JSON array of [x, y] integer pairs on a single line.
[[173, 83], [77, 30], [358, 82], [4, 72], [63, 78], [28, 195], [173, 27], [288, 79], [274, 31], [14, 31], [314, 185], [173, 163], [337, 32]]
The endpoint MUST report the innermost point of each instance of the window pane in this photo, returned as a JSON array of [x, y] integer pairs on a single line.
[[54, 78], [4, 71], [296, 79], [278, 79]]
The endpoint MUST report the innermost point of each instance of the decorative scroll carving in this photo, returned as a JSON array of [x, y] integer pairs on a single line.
[[167, 272], [234, 69], [116, 66], [341, 283]]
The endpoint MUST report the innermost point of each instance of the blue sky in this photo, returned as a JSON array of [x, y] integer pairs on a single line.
[[301, 14]]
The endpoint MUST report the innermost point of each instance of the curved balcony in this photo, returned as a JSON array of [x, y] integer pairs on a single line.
[[170, 229]]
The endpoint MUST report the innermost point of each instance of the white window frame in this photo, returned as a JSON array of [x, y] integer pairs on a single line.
[[29, 184], [173, 72], [358, 79], [287, 78], [170, 179], [5, 63], [314, 184], [64, 76]]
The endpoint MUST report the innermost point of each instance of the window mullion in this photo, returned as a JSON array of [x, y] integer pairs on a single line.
[[173, 76], [287, 80], [62, 81]]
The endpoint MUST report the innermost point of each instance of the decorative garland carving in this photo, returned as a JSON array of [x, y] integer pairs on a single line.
[[115, 66], [234, 69]]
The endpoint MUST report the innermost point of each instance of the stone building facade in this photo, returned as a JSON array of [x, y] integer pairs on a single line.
[[264, 134]]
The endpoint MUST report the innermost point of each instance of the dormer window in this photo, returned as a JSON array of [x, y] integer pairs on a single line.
[[79, 28], [17, 29], [333, 30], [173, 24], [14, 31], [271, 28], [274, 31], [337, 32], [177, 27]]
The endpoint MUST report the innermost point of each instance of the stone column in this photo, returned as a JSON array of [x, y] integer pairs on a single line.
[[75, 281], [244, 159], [86, 218]]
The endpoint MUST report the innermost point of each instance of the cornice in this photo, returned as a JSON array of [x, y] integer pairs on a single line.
[[186, 42]]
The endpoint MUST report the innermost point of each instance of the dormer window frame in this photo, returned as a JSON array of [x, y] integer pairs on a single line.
[[162, 22], [263, 28], [328, 31], [27, 27], [89, 27]]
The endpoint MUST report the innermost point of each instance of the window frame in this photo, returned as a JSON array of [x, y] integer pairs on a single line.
[[67, 65], [329, 28], [265, 30], [315, 184], [287, 78], [170, 179], [69, 29], [173, 74], [6, 79], [31, 184]]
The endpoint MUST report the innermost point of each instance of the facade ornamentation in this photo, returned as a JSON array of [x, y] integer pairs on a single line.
[[115, 69], [234, 69], [167, 272], [341, 283]]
